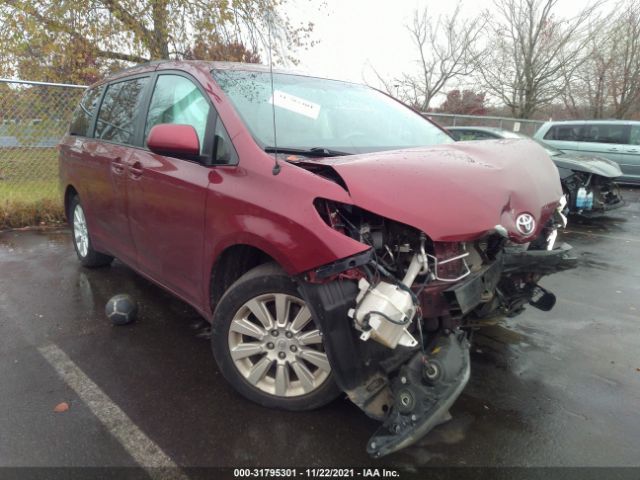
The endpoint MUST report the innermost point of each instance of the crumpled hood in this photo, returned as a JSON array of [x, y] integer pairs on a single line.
[[589, 164], [455, 192]]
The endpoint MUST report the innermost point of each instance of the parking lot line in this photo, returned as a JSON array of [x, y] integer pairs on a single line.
[[143, 450]]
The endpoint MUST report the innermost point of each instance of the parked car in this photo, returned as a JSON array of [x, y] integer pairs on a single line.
[[587, 180], [352, 255], [617, 140]]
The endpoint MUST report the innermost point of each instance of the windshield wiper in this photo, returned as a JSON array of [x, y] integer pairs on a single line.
[[307, 152]]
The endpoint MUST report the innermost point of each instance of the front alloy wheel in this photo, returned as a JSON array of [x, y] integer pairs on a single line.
[[267, 344], [276, 346]]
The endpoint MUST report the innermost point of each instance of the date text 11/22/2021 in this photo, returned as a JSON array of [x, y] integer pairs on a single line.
[[315, 473]]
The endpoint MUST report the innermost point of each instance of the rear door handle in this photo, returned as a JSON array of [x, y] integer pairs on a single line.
[[84, 150], [116, 166], [135, 170]]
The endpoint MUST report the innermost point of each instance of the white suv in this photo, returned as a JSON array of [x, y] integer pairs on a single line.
[[617, 140]]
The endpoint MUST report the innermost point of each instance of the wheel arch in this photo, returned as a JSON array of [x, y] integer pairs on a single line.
[[69, 193], [233, 262]]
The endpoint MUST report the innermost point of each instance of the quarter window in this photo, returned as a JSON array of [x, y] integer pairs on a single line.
[[81, 121], [119, 111], [225, 153], [634, 138], [177, 100]]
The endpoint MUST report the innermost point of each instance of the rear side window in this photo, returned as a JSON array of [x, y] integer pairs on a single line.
[[81, 121], [570, 133], [605, 133], [177, 100], [119, 111]]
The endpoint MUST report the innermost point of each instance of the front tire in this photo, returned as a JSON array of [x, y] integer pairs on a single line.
[[81, 240], [268, 346]]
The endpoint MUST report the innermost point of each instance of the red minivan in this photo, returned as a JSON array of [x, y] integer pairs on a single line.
[[336, 239]]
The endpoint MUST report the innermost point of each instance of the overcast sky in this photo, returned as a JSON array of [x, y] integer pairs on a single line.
[[357, 34]]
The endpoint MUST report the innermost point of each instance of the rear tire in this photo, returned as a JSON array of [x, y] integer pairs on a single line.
[[82, 240], [268, 346]]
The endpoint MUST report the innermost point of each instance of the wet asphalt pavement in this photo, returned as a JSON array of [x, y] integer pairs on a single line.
[[559, 388]]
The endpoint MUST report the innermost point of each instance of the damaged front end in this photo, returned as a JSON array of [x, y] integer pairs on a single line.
[[591, 195], [397, 318]]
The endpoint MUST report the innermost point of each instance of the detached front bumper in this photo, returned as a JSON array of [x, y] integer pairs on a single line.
[[423, 392]]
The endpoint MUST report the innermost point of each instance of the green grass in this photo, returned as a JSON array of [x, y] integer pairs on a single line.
[[29, 193], [29, 190], [21, 163]]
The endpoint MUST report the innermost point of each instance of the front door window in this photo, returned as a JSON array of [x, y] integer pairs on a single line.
[[177, 100]]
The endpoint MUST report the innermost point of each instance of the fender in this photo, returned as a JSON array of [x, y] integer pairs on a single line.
[[297, 238]]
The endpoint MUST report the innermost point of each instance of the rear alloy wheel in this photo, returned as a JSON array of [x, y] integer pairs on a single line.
[[81, 239], [80, 232], [268, 345]]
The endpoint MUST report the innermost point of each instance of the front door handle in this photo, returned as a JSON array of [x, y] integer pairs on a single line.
[[135, 170], [612, 149]]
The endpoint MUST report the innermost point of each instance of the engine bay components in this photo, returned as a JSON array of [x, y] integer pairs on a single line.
[[591, 195], [383, 313], [385, 310]]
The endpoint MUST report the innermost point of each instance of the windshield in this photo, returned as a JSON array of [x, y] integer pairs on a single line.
[[318, 113]]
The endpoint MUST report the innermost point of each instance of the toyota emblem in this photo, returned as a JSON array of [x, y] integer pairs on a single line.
[[525, 223]]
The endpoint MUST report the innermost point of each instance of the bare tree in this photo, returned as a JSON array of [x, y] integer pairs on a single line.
[[448, 48], [625, 71], [532, 53], [585, 92], [607, 83]]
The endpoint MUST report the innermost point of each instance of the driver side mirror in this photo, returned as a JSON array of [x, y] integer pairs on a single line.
[[174, 140]]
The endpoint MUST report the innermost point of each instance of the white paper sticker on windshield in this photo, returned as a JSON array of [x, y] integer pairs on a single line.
[[295, 104]]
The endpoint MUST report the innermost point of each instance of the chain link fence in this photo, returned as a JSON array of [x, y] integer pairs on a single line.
[[35, 115], [33, 118], [526, 127]]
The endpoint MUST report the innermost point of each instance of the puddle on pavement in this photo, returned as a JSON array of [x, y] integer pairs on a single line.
[[19, 241], [589, 260], [599, 224]]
